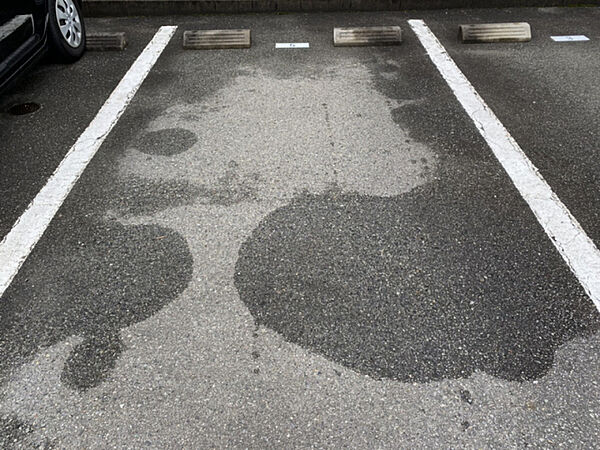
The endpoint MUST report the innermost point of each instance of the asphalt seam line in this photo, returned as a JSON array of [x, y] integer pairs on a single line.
[[577, 249], [31, 225]]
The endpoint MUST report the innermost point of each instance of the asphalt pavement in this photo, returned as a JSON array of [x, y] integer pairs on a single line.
[[305, 247]]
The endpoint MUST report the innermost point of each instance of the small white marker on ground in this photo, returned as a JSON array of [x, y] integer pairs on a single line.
[[577, 249], [292, 45], [29, 228], [573, 38]]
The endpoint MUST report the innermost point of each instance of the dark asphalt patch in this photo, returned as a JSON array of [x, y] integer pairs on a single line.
[[91, 361], [105, 277], [433, 284], [17, 434], [12, 431], [137, 196], [168, 142]]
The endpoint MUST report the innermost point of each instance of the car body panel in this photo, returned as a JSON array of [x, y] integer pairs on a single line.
[[23, 36]]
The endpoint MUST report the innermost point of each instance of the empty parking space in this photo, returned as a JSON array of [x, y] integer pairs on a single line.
[[68, 98], [546, 94], [305, 247]]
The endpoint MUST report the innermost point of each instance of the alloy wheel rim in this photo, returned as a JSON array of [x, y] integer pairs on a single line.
[[69, 22]]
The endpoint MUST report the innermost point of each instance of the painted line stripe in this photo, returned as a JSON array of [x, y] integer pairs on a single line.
[[292, 45], [29, 228], [576, 248], [574, 38]]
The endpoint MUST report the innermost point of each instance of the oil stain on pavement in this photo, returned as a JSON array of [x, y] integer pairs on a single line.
[[103, 278]]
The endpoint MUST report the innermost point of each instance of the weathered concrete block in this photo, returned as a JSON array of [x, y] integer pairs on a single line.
[[105, 41], [216, 39], [495, 32], [364, 36]]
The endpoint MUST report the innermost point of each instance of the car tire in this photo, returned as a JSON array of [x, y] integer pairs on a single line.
[[66, 30]]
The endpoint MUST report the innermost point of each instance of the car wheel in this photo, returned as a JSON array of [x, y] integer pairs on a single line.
[[66, 30]]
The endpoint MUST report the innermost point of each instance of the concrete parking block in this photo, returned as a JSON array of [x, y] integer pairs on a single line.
[[216, 39], [495, 32], [366, 36], [106, 41]]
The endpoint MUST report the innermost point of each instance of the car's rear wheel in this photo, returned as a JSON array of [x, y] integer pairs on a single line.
[[66, 30]]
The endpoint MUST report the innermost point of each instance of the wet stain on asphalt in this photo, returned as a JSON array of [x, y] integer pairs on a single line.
[[231, 188], [433, 284], [168, 142], [13, 431], [106, 277], [17, 434], [141, 196], [138, 196], [91, 361]]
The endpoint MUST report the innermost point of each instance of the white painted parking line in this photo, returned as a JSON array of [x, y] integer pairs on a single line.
[[574, 38], [29, 228], [292, 45], [576, 248]]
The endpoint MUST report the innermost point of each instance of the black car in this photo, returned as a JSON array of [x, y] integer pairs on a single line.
[[30, 28]]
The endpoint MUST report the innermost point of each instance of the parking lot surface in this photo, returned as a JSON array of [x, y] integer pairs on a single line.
[[305, 247]]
